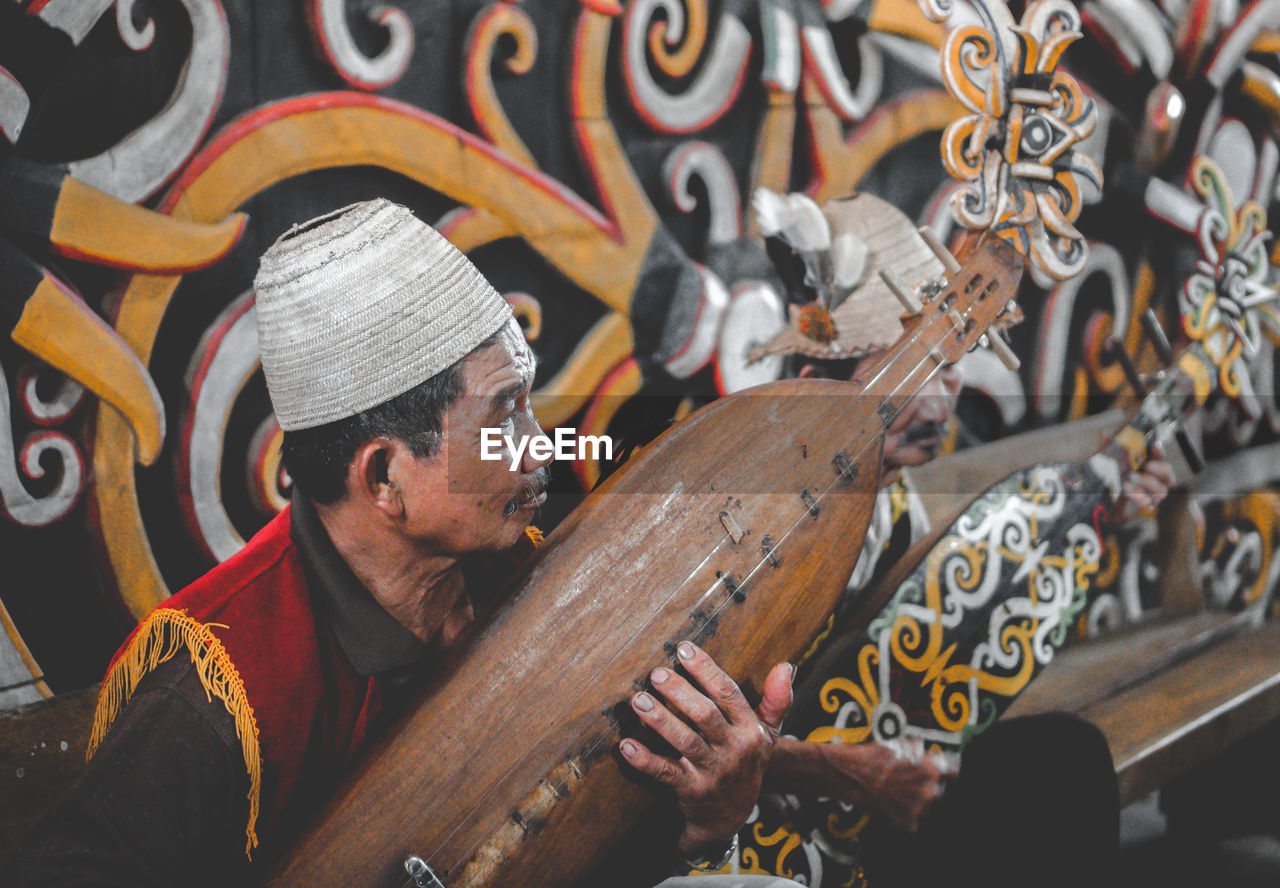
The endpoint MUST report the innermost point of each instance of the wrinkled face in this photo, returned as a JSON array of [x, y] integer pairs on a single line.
[[918, 432], [457, 502]]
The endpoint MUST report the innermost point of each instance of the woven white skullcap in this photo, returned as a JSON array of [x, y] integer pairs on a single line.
[[360, 305]]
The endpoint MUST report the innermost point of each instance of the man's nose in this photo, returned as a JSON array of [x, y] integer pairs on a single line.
[[530, 427]]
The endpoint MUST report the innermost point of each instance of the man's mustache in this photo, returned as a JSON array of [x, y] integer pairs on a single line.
[[535, 483]]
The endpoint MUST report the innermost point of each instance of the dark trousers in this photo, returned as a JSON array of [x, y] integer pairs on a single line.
[[1233, 794], [1036, 803]]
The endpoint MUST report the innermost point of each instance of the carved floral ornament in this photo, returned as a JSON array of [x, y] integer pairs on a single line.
[[1016, 152], [1226, 304]]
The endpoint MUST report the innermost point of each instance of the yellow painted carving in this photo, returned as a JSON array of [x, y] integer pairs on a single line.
[[865, 694], [680, 62], [1260, 509], [620, 191], [608, 399], [497, 21], [1079, 404], [264, 484], [787, 837], [903, 18], [606, 346], [771, 164], [1200, 374], [1110, 379], [59, 328], [471, 229], [840, 163], [93, 225]]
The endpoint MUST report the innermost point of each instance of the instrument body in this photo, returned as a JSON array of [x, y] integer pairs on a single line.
[[737, 529]]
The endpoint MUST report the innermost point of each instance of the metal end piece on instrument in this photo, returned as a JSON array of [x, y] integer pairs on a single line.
[[949, 262], [1002, 351], [421, 873], [895, 283]]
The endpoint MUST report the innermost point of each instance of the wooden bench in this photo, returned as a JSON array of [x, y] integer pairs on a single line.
[[1167, 696], [42, 748]]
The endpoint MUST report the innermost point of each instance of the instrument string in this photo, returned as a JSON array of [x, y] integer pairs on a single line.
[[867, 440]]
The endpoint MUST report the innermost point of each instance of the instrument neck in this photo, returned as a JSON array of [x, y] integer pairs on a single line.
[[1180, 390]]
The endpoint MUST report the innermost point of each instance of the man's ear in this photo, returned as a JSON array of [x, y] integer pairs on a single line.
[[369, 476]]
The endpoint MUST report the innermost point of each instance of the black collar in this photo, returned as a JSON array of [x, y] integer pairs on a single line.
[[372, 639]]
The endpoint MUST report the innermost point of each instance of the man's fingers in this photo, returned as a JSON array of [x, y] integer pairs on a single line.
[[777, 695], [1161, 471], [682, 738], [660, 768], [717, 687], [1149, 484]]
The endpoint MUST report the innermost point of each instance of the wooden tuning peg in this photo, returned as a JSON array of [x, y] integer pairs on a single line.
[[910, 302], [949, 262], [1155, 335], [1001, 349]]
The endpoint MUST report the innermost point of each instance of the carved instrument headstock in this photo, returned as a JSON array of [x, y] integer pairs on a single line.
[[946, 316]]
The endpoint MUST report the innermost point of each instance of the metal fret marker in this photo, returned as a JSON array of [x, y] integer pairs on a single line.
[[845, 469], [767, 549], [810, 503]]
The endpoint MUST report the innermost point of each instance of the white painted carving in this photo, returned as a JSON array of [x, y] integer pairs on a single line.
[[357, 69], [850, 103], [139, 164], [68, 396], [15, 105], [1055, 324], [713, 89], [214, 394], [18, 503], [706, 161]]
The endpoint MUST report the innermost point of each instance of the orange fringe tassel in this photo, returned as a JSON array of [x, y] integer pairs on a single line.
[[158, 639]]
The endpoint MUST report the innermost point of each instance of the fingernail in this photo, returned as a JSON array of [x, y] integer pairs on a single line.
[[628, 748], [643, 702], [658, 676], [685, 650], [792, 667]]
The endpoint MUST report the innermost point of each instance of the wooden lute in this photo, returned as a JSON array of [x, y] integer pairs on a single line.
[[737, 528]]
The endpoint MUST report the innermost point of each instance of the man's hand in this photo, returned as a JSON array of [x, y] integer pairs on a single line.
[[724, 745], [900, 788], [1145, 488]]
